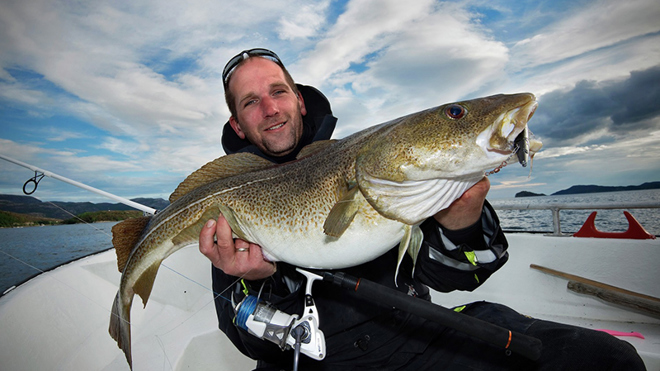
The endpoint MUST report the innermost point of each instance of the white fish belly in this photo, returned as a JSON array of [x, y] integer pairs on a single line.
[[360, 243]]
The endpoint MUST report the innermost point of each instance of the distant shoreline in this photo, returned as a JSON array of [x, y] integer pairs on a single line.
[[17, 220], [582, 189], [25, 211]]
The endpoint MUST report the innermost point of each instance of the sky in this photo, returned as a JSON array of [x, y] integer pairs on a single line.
[[126, 96]]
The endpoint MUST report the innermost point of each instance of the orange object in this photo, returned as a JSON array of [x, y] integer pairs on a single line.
[[635, 230]]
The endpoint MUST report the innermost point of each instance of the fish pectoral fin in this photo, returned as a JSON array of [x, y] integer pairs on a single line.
[[236, 224], [342, 213], [145, 283], [125, 236], [314, 147], [190, 234], [411, 243], [220, 168]]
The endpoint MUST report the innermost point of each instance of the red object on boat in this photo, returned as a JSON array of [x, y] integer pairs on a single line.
[[635, 230]]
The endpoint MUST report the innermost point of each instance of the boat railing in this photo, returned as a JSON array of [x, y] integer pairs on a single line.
[[558, 206]]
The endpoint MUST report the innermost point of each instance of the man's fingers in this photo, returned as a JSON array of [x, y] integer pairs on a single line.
[[234, 257], [223, 233], [206, 238]]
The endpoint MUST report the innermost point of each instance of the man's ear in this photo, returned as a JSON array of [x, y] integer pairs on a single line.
[[303, 110], [234, 125]]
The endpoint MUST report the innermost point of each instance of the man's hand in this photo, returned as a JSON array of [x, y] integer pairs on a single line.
[[236, 258], [466, 210]]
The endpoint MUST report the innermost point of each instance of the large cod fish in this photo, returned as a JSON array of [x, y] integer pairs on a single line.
[[342, 203]]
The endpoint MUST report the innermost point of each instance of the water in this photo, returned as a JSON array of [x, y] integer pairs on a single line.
[[25, 252], [572, 220]]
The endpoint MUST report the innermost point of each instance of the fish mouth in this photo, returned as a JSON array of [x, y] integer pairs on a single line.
[[512, 136]]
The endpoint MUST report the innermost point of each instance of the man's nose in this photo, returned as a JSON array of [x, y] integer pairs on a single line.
[[269, 107]]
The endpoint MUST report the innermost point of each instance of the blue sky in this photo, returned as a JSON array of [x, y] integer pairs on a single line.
[[126, 96]]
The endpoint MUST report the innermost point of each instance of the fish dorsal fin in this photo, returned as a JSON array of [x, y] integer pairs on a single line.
[[222, 167], [125, 236], [314, 147], [342, 213]]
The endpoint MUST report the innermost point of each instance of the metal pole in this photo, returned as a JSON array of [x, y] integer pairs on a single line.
[[556, 221], [124, 201]]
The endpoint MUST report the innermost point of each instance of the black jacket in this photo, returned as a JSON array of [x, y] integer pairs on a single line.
[[357, 331]]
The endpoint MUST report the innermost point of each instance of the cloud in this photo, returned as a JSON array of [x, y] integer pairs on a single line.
[[384, 59], [600, 24], [142, 77], [600, 111], [304, 22]]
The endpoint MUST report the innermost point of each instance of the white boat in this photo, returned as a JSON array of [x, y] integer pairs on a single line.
[[59, 320]]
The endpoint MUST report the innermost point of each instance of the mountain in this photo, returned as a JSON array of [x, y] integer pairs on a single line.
[[528, 194], [64, 210], [577, 189]]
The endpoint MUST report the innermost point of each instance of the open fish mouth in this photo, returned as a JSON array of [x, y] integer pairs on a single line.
[[511, 136], [514, 136]]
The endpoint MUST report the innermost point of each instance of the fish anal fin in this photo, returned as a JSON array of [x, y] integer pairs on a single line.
[[220, 168], [411, 243], [125, 236], [191, 233], [145, 283], [314, 147], [342, 213]]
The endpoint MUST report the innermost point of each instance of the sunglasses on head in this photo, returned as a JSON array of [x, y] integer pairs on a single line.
[[245, 54]]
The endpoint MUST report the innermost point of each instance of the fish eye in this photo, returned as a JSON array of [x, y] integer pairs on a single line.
[[455, 111]]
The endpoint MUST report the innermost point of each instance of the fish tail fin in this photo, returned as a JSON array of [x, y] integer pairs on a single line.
[[125, 236], [120, 327]]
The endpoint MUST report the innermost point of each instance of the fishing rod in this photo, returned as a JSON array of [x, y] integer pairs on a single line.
[[526, 346], [40, 173], [266, 322]]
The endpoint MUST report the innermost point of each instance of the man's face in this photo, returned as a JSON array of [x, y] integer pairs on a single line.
[[269, 112]]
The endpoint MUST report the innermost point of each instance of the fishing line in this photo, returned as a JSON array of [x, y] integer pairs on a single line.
[[105, 307], [167, 359], [162, 264], [53, 278], [77, 217]]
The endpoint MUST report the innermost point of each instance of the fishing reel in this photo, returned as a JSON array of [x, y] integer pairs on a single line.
[[288, 331]]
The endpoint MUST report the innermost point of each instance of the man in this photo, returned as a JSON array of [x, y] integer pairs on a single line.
[[274, 118]]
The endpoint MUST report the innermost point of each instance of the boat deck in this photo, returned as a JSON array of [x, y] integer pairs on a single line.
[[59, 320]]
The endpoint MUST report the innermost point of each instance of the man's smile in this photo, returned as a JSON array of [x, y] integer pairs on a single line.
[[275, 127]]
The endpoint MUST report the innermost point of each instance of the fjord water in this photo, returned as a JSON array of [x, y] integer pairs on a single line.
[[25, 252], [28, 251], [572, 220]]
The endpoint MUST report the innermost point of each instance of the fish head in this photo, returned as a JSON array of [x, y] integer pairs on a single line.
[[417, 165]]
